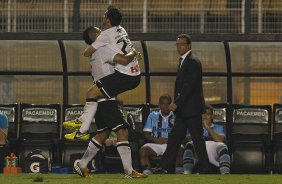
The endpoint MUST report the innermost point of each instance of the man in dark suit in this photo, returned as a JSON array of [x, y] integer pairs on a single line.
[[188, 106]]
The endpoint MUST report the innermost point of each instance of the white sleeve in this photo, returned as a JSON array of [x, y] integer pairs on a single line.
[[101, 40], [111, 55]]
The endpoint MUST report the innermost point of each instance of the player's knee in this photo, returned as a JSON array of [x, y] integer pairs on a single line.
[[101, 137], [189, 146], [122, 134], [221, 149], [142, 152], [94, 92]]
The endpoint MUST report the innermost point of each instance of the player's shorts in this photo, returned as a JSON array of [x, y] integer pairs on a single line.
[[212, 154], [159, 149], [211, 151], [109, 117], [117, 83]]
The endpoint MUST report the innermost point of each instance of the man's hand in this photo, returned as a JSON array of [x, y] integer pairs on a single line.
[[161, 140], [172, 107], [206, 124], [139, 56]]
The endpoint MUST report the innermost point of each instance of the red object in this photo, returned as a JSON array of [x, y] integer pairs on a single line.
[[12, 170], [11, 160]]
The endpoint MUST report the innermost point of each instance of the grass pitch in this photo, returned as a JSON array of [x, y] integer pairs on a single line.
[[152, 179]]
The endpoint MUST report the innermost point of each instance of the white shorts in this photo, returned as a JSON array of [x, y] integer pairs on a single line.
[[212, 154], [158, 148]]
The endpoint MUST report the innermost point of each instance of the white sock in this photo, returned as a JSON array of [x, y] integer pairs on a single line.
[[93, 148], [89, 111], [125, 155]]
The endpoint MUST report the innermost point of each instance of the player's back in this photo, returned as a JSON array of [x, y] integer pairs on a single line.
[[116, 39], [102, 63]]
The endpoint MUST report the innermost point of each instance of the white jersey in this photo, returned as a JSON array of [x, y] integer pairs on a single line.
[[102, 63], [116, 38]]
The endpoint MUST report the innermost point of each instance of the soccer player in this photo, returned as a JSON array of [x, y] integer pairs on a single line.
[[214, 135], [108, 117], [156, 132], [125, 77]]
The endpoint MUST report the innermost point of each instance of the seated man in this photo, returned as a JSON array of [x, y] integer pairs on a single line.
[[3, 136], [156, 131], [214, 135]]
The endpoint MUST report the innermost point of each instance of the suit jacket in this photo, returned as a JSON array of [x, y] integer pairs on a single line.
[[188, 92]]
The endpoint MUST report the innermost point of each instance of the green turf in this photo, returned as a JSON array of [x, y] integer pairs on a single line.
[[152, 179]]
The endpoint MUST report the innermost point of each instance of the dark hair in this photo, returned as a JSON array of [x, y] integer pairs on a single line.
[[187, 37], [86, 33], [165, 97], [86, 37], [114, 15]]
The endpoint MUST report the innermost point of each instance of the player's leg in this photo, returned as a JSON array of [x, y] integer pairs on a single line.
[[189, 158], [117, 83], [90, 108], [224, 158], [146, 152], [124, 151], [179, 161], [94, 145], [84, 121], [115, 121]]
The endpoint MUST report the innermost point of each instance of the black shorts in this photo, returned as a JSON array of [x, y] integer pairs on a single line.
[[117, 83], [109, 117]]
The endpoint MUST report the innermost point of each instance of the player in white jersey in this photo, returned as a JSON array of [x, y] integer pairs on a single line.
[[108, 117], [126, 76]]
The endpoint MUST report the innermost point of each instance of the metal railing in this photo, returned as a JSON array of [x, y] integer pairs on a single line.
[[144, 16]]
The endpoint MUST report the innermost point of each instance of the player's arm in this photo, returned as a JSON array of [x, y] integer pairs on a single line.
[[148, 137], [215, 136], [89, 51], [102, 40], [125, 59]]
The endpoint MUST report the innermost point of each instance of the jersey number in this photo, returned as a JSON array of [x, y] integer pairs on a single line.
[[126, 42]]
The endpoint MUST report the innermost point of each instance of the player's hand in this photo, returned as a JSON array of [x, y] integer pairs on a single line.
[[172, 107], [205, 124], [161, 140], [139, 56]]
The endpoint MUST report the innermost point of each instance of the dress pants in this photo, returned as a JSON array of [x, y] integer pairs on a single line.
[[177, 135]]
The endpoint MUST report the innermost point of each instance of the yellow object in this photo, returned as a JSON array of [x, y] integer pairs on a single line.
[[136, 175], [77, 136], [72, 124]]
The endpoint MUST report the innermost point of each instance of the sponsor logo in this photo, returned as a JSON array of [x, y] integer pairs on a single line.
[[39, 114], [251, 113], [35, 167]]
